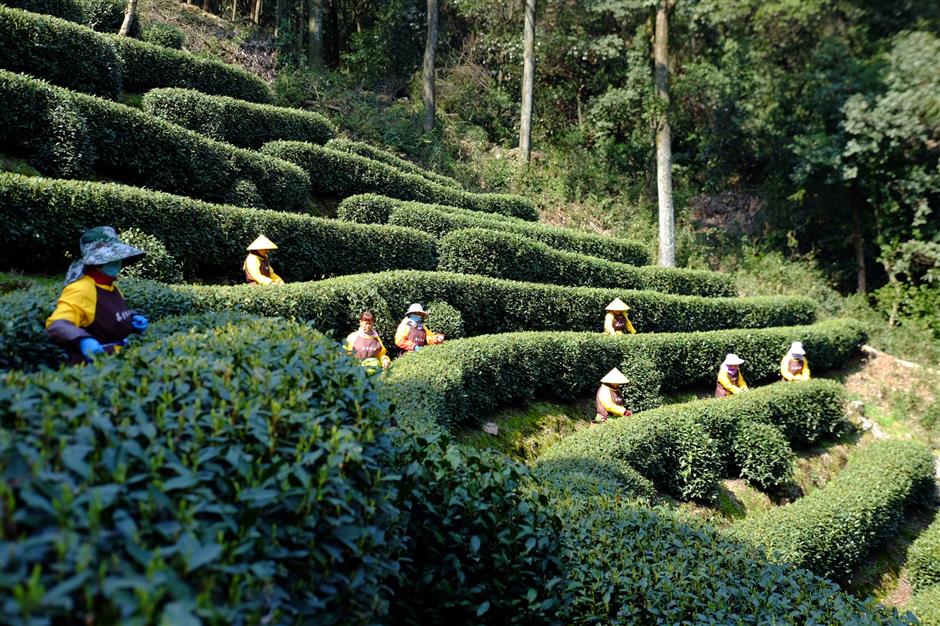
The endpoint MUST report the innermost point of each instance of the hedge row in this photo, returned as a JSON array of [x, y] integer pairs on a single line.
[[156, 465], [830, 530], [341, 174], [923, 558], [77, 57], [631, 564], [926, 605], [383, 156], [335, 304], [514, 257], [461, 381], [104, 16], [44, 217], [440, 220], [684, 449], [70, 135], [244, 124]]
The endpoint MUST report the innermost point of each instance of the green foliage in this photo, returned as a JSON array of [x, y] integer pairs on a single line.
[[440, 220], [587, 476], [65, 9], [65, 148], [105, 16], [923, 558], [23, 344], [626, 563], [177, 502], [445, 319], [136, 148], [370, 152], [342, 174], [458, 382], [763, 454], [926, 606], [515, 257], [76, 57], [833, 528], [165, 35], [158, 265], [244, 124], [45, 217], [70, 55]]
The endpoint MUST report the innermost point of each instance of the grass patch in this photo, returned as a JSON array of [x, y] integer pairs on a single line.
[[17, 165]]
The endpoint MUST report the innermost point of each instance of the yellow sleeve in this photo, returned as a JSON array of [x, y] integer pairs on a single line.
[[630, 328], [742, 384], [785, 367], [805, 368], [401, 334], [383, 354], [608, 403], [609, 324], [725, 382], [253, 269], [77, 304], [348, 343], [275, 278], [433, 337]]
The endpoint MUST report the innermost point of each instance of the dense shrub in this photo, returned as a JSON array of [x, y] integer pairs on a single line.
[[926, 605], [514, 257], [445, 319], [440, 220], [628, 564], [763, 454], [371, 152], [45, 217], [244, 124], [105, 16], [923, 558], [165, 35], [830, 530], [77, 57], [66, 9], [342, 174], [159, 264], [65, 148], [461, 381], [23, 343], [588, 476], [139, 149], [62, 52]]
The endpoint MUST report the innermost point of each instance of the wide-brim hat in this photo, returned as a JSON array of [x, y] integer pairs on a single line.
[[417, 308], [618, 305], [796, 349], [99, 246], [614, 377], [732, 359], [262, 243]]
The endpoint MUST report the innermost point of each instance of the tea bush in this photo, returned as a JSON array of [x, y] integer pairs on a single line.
[[514, 257], [763, 454], [136, 148], [45, 217], [341, 174], [923, 558], [926, 605], [832, 529], [371, 152], [440, 220], [72, 56], [158, 265], [244, 124], [165, 35]]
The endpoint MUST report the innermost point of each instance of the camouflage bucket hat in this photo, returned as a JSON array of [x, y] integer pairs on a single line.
[[101, 245]]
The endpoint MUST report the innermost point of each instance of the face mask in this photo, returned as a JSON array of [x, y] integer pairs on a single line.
[[732, 370], [415, 318], [111, 269]]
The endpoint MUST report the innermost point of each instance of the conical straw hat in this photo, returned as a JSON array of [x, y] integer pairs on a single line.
[[733, 359], [618, 305], [614, 377], [262, 243]]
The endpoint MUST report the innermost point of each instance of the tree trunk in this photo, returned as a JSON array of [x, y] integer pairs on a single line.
[[315, 32], [234, 10], [256, 12], [667, 227], [129, 16], [858, 242], [430, 50], [528, 81]]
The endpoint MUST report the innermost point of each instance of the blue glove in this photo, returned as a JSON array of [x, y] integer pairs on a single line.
[[89, 347], [417, 348], [139, 323]]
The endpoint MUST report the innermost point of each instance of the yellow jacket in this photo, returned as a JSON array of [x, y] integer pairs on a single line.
[[408, 332], [380, 357], [788, 375], [729, 386], [605, 399], [89, 308], [609, 325], [254, 272]]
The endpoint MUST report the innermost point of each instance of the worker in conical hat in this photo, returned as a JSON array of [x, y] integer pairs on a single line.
[[730, 379], [258, 270], [366, 345], [794, 366], [616, 321], [91, 316], [412, 334], [608, 401]]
